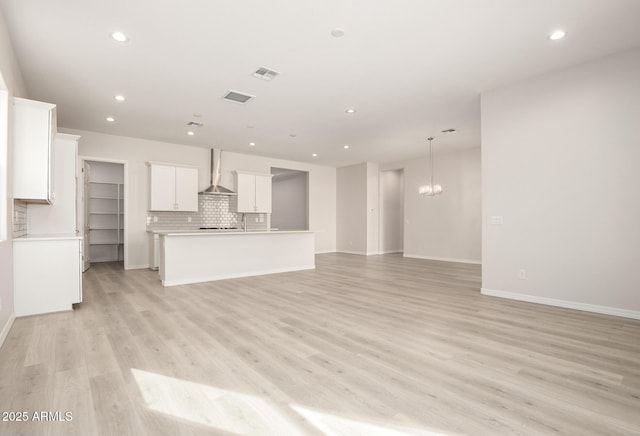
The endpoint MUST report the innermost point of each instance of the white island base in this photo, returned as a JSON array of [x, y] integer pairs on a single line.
[[201, 257]]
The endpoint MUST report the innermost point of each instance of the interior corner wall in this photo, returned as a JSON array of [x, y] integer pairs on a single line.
[[446, 226], [290, 205], [351, 199], [560, 156], [373, 208], [391, 211], [14, 84]]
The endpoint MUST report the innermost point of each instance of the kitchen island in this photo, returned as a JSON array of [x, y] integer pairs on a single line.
[[201, 256]]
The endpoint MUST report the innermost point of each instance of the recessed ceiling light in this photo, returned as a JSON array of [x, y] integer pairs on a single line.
[[252, 144], [197, 115], [350, 111], [190, 133], [315, 155], [346, 147], [110, 119], [293, 135], [558, 34], [119, 36], [120, 97], [338, 32]]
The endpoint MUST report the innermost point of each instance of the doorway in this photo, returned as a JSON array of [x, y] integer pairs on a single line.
[[290, 199], [102, 212], [392, 211]]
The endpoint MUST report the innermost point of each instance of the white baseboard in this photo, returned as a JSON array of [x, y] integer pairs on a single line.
[[606, 310], [325, 252], [7, 328], [390, 252], [361, 253], [234, 276], [444, 259]]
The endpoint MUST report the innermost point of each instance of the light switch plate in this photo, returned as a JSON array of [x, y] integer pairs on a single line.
[[496, 220]]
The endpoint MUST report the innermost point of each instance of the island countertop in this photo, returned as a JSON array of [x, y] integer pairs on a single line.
[[199, 256], [225, 232]]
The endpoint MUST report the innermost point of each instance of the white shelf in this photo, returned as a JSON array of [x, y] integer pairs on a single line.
[[106, 209]]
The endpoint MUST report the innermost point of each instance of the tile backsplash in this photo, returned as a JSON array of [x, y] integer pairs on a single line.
[[213, 211], [19, 218]]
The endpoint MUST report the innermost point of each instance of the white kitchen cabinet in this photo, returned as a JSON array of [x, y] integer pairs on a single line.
[[34, 129], [254, 192], [187, 189], [173, 188], [47, 273]]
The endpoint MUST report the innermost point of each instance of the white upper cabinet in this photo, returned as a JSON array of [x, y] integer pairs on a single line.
[[34, 128], [187, 189], [254, 192], [173, 188]]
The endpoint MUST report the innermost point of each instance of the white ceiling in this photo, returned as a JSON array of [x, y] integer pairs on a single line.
[[411, 68]]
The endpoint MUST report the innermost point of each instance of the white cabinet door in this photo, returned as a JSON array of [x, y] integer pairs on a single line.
[[163, 188], [263, 194], [57, 283], [254, 192], [186, 189], [246, 187], [173, 188], [33, 131]]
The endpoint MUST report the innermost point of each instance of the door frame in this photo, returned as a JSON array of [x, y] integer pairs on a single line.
[[80, 200]]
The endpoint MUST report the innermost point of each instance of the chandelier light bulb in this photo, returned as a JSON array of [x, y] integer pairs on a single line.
[[430, 189]]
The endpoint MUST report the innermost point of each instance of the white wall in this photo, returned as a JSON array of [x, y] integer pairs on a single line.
[[12, 78], [106, 172], [373, 208], [560, 157], [136, 152], [289, 201], [352, 209], [445, 226], [391, 211], [358, 209]]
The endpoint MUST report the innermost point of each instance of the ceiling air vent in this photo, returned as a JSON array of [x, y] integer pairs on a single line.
[[237, 97], [265, 73]]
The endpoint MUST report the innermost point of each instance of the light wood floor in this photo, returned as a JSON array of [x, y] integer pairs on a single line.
[[362, 345]]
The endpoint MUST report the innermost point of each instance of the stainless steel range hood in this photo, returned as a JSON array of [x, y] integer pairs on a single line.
[[215, 188]]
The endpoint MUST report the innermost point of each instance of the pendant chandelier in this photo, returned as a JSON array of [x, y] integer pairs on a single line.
[[430, 189]]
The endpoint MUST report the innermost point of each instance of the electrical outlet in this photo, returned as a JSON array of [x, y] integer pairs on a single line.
[[155, 219], [522, 274], [188, 219], [261, 218], [256, 218]]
